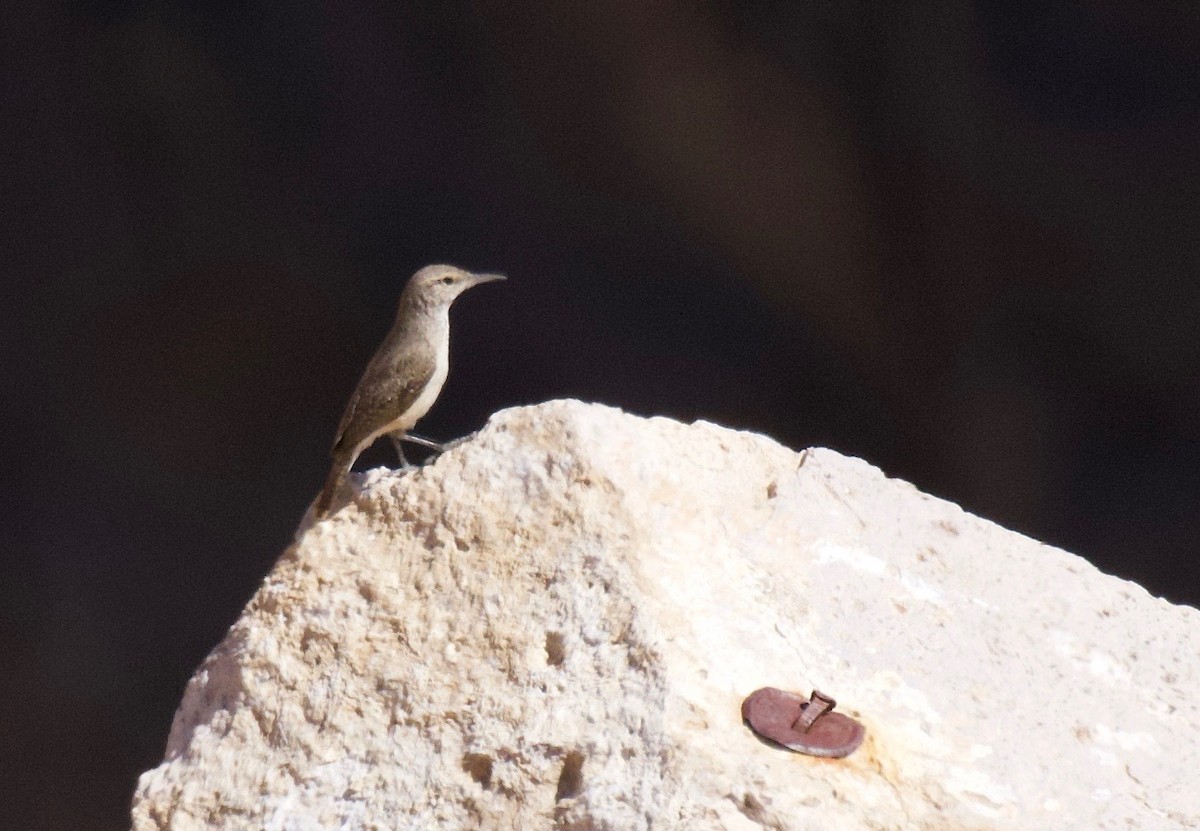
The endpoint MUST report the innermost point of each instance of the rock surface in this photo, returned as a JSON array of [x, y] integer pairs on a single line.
[[553, 627]]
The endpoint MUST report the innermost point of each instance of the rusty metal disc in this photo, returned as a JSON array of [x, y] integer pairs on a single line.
[[805, 726]]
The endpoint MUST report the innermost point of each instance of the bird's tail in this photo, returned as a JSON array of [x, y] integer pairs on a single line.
[[333, 481]]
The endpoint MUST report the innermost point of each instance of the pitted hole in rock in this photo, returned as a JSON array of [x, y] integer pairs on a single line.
[[479, 767], [555, 649], [570, 781]]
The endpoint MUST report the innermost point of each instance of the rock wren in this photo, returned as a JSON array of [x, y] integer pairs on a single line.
[[405, 375]]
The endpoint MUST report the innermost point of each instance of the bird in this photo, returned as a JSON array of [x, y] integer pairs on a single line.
[[405, 375]]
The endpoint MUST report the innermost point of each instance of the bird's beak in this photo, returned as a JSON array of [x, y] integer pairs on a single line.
[[476, 279]]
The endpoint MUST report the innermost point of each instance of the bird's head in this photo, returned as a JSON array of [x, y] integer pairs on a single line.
[[438, 285]]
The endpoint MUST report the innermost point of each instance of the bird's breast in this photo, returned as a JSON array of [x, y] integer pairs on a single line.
[[428, 395]]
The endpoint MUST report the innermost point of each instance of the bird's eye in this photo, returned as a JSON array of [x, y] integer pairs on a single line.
[[447, 281]]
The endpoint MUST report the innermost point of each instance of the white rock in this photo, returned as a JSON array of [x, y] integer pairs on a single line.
[[553, 626]]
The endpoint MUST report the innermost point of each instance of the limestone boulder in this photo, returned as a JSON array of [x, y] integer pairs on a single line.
[[554, 624]]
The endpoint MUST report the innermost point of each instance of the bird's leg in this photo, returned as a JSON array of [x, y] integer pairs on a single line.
[[398, 440], [398, 443], [432, 445]]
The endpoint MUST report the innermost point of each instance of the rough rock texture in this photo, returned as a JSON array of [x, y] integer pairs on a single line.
[[553, 626]]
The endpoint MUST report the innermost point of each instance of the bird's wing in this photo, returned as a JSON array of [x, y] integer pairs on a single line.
[[390, 397], [347, 417]]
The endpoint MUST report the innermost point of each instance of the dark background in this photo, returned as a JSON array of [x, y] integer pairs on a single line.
[[960, 241]]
